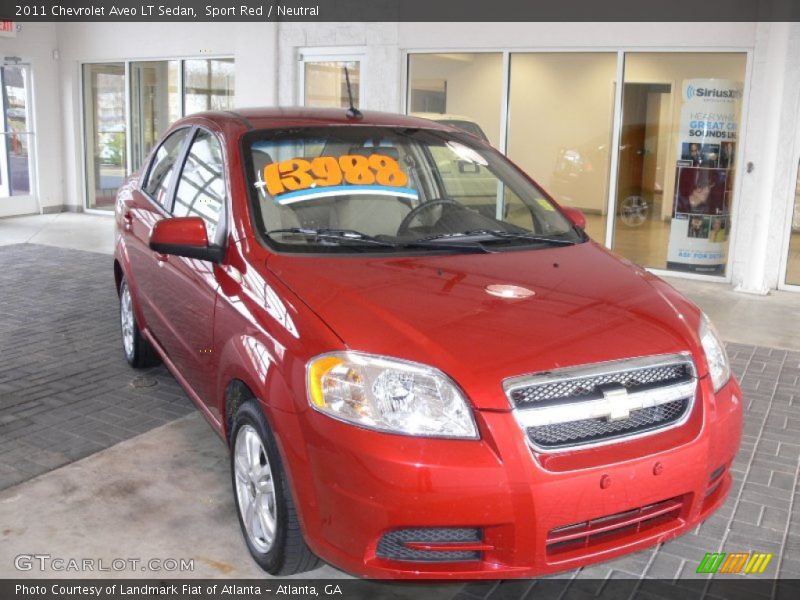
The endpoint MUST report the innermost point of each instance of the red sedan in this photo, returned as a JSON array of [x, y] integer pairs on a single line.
[[422, 365]]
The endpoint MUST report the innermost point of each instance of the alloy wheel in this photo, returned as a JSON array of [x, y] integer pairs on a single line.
[[126, 320], [255, 488]]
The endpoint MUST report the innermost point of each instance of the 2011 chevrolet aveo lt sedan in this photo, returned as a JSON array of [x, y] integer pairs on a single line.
[[422, 365]]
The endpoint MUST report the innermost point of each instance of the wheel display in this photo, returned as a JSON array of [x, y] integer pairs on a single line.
[[634, 210], [264, 503], [138, 351]]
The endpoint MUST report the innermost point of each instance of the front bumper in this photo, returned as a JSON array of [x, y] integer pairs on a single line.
[[536, 514]]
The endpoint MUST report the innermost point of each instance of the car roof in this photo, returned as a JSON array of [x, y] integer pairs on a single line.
[[272, 118]]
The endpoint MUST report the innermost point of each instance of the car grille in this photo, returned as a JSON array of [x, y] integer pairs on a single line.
[[588, 387], [583, 537], [400, 544], [598, 404], [589, 430]]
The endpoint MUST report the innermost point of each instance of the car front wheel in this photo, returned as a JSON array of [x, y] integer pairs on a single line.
[[264, 503]]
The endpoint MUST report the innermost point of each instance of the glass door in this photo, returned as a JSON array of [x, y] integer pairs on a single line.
[[129, 105], [15, 160], [105, 132], [155, 104], [677, 157]]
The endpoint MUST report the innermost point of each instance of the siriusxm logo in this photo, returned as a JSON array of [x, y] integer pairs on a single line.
[[702, 92]]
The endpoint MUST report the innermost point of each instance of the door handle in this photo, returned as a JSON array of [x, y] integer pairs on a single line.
[[161, 259], [128, 219]]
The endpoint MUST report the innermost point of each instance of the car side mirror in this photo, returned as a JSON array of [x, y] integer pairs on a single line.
[[575, 216], [184, 236]]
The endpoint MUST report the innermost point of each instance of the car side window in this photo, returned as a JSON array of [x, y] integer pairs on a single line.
[[159, 177], [201, 187]]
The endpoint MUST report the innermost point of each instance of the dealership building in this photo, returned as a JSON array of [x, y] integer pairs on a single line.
[[621, 120]]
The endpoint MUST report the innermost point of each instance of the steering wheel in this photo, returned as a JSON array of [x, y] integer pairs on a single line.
[[405, 224]]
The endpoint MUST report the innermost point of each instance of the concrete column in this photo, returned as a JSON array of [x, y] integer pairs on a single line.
[[256, 56], [761, 196]]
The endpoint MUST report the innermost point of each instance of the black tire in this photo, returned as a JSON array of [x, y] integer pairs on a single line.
[[287, 553], [138, 351]]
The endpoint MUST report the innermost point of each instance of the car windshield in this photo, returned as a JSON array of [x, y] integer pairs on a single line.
[[357, 188]]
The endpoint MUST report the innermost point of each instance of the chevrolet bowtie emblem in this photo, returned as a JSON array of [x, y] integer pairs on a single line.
[[617, 403]]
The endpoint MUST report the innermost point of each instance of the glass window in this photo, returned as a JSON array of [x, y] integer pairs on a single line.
[[677, 155], [106, 132], [331, 189], [460, 89], [208, 84], [156, 101], [561, 109], [155, 104], [201, 188], [325, 84], [159, 178], [793, 262]]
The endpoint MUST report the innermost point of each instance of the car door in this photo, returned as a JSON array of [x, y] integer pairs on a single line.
[[185, 288], [147, 204]]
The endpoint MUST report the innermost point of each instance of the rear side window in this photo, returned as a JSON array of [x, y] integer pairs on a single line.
[[160, 175], [201, 188]]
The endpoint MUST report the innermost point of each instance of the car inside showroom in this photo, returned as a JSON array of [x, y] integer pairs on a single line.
[[328, 298]]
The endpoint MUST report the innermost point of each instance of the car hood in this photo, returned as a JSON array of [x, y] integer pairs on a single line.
[[588, 306]]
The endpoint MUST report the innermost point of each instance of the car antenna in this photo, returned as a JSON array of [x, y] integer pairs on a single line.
[[352, 112]]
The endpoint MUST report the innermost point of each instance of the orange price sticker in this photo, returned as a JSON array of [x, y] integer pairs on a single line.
[[353, 169]]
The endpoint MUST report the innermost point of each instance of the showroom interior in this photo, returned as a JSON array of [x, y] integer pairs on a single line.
[[593, 113]]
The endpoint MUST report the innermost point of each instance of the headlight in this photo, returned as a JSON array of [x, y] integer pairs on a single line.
[[717, 358], [389, 395]]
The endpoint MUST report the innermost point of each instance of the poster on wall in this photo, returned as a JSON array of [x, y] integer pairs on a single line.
[[705, 158]]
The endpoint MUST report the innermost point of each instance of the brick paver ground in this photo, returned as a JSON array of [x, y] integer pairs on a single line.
[[66, 392]]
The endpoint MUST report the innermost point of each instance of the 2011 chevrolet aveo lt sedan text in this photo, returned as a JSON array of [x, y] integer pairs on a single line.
[[422, 365]]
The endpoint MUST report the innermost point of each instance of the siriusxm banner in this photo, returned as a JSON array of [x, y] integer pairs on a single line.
[[706, 155]]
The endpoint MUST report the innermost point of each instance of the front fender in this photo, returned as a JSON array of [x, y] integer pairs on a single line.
[[247, 359]]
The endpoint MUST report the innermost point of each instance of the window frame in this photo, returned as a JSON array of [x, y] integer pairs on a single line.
[[151, 161]]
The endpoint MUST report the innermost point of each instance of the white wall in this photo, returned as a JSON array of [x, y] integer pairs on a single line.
[[35, 45], [575, 35]]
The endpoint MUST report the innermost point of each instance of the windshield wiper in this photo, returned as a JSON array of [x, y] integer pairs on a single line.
[[432, 243], [497, 234], [357, 237], [335, 235]]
